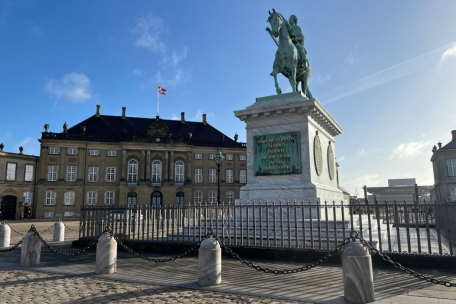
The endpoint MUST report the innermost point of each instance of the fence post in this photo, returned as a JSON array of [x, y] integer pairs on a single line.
[[209, 263], [357, 273], [59, 232], [5, 235], [106, 258], [31, 250]]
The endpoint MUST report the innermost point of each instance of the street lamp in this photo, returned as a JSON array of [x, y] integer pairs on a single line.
[[218, 161]]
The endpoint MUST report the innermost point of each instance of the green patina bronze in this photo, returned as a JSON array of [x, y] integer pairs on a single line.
[[277, 154], [290, 58], [331, 165], [318, 157]]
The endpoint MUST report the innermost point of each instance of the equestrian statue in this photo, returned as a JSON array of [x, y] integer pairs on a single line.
[[290, 58]]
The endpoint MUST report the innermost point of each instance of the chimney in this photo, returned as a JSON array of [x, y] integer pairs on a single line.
[[98, 111], [204, 119], [182, 117], [124, 109], [454, 134]]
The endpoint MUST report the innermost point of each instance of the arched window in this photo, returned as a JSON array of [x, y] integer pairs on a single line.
[[131, 199], [179, 173], [69, 198], [180, 198], [156, 172], [156, 199], [132, 178]]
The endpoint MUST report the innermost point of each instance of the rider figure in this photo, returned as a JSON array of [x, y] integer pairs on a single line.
[[299, 38]]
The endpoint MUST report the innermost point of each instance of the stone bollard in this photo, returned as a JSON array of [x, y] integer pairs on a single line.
[[31, 250], [5, 235], [357, 273], [59, 232], [106, 261], [209, 263]]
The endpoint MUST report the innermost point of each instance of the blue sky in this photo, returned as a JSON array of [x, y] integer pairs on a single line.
[[385, 70]]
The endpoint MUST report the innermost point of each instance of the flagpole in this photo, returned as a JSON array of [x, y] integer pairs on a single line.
[[158, 100]]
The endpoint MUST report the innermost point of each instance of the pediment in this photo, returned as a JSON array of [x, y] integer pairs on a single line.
[[158, 128]]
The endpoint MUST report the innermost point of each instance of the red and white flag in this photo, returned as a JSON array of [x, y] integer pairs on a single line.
[[161, 90]]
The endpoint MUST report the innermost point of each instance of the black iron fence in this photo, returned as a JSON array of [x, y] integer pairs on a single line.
[[410, 228]]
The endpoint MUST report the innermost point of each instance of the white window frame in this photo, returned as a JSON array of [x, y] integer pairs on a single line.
[[111, 153], [229, 156], [211, 156], [109, 198], [198, 197], [50, 198], [451, 165], [156, 171], [198, 175], [229, 176], [94, 152], [179, 171], [92, 198], [93, 174], [52, 173], [132, 176], [212, 197], [110, 174], [27, 197], [212, 176], [453, 193], [230, 196], [71, 174], [54, 150], [11, 171], [68, 213], [28, 177], [242, 157], [69, 198], [198, 155], [49, 214], [243, 176], [72, 151]]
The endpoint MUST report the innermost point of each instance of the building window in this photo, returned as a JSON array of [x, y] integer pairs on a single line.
[[198, 175], [198, 156], [198, 197], [72, 151], [242, 157], [11, 171], [451, 164], [109, 198], [71, 174], [211, 156], [69, 198], [212, 176], [91, 198], [243, 176], [50, 198], [131, 199], [112, 152], [180, 198], [68, 213], [49, 214], [28, 173], [53, 150], [132, 177], [229, 175], [156, 171], [27, 197], [229, 156], [212, 197], [52, 173], [93, 152], [110, 174], [453, 194], [229, 196], [179, 174], [156, 199], [93, 174]]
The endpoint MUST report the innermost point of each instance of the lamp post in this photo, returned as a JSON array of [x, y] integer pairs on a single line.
[[218, 161]]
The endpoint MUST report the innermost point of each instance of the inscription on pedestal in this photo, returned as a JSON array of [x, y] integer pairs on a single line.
[[277, 154], [318, 158]]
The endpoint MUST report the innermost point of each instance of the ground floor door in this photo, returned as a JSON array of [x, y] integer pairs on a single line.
[[9, 207]]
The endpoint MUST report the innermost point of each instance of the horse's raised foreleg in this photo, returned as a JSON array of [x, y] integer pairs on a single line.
[[274, 73]]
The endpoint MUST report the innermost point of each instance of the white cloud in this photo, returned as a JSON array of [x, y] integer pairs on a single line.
[[74, 87], [361, 152], [179, 56], [451, 52], [199, 116], [148, 30], [341, 158], [355, 185], [137, 72], [410, 149]]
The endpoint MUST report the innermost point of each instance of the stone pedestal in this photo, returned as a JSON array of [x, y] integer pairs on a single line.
[[5, 235], [106, 258], [209, 263], [290, 150], [357, 273], [59, 232], [31, 250]]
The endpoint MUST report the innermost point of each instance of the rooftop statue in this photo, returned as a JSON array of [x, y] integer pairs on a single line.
[[290, 58]]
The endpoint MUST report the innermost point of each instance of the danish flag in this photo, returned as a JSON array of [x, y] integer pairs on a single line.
[[161, 90]]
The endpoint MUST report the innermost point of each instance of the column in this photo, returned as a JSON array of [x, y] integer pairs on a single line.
[[124, 164], [148, 166]]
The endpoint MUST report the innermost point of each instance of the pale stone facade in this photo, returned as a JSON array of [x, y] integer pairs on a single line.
[[444, 166]]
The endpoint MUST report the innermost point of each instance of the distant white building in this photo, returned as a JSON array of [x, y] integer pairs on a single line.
[[444, 166], [400, 190]]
